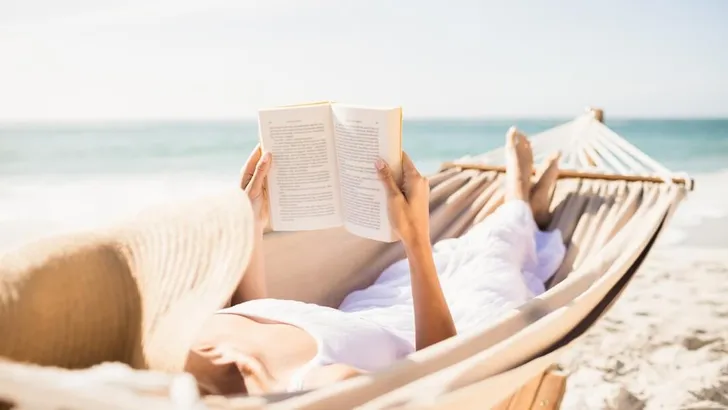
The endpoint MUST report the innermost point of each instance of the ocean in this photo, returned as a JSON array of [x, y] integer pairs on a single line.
[[55, 178]]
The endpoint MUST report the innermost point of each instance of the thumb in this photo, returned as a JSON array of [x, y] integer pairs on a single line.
[[255, 187], [385, 175], [408, 166]]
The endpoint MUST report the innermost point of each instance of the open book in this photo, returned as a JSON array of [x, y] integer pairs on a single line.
[[323, 173]]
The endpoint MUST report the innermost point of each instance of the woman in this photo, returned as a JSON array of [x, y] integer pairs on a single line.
[[260, 345]]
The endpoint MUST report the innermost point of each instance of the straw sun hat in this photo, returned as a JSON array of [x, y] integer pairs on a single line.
[[137, 293]]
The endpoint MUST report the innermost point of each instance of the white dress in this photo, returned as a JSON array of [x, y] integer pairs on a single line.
[[498, 265]]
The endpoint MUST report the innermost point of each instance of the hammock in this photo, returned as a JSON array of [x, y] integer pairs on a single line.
[[610, 203]]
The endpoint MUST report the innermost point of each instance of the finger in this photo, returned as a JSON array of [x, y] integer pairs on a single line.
[[249, 167], [257, 182], [384, 172], [408, 166]]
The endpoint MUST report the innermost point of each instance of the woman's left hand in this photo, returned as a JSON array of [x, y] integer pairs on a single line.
[[253, 182]]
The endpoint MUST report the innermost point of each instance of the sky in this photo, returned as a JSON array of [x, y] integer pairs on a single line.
[[98, 60]]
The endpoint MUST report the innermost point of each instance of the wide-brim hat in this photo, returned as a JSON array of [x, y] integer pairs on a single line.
[[137, 293]]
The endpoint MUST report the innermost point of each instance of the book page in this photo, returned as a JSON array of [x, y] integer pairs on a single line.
[[363, 135], [303, 181]]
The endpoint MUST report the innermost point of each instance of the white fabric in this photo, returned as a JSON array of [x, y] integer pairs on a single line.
[[498, 265], [341, 337]]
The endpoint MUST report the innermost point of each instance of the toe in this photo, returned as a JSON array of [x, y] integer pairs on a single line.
[[526, 143], [552, 162], [549, 165], [512, 136], [521, 139]]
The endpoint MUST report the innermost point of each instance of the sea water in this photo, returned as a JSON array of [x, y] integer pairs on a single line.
[[55, 178]]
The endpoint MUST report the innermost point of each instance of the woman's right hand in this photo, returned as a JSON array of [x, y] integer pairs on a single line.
[[253, 182], [408, 205]]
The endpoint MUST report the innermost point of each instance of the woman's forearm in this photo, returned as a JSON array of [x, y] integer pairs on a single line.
[[433, 321], [253, 285]]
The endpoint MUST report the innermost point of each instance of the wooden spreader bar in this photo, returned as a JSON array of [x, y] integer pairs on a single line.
[[689, 183]]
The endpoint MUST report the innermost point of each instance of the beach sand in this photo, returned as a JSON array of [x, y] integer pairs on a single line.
[[664, 344]]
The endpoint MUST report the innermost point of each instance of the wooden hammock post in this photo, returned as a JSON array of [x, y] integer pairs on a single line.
[[598, 114], [543, 392]]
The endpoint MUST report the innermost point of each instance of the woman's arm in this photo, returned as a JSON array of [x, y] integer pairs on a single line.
[[433, 321], [252, 181], [253, 285], [408, 209]]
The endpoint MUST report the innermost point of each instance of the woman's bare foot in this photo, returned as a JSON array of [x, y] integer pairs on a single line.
[[547, 175], [519, 165]]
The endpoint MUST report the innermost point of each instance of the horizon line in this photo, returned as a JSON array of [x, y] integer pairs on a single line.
[[163, 120]]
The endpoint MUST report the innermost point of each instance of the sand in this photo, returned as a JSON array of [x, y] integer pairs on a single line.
[[664, 345]]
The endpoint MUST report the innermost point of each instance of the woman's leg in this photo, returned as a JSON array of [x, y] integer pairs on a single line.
[[509, 233], [546, 175]]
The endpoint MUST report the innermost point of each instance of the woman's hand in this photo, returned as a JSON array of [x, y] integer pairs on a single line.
[[409, 214], [408, 205], [252, 181]]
